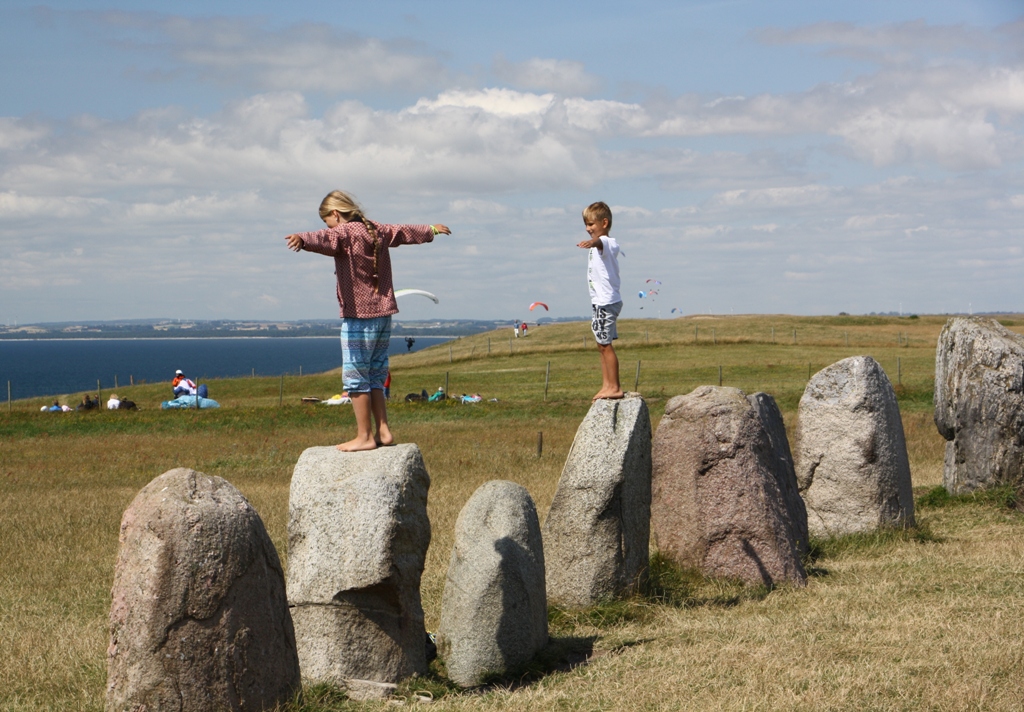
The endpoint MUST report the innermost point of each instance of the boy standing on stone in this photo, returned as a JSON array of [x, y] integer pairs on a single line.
[[605, 301]]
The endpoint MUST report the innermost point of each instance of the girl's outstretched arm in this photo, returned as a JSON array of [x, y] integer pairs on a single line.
[[441, 229], [294, 242]]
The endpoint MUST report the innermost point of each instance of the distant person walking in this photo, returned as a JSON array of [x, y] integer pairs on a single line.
[[409, 343], [366, 295], [605, 301]]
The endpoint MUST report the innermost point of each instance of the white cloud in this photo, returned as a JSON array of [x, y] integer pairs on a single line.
[[558, 75], [303, 57]]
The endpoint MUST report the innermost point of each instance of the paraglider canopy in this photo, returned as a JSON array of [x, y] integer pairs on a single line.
[[539, 304], [420, 292]]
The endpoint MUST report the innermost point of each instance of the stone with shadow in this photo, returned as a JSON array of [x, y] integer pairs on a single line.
[[724, 495], [357, 539], [494, 615], [979, 404], [597, 530], [198, 618], [851, 456]]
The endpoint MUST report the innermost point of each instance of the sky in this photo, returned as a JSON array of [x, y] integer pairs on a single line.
[[803, 157]]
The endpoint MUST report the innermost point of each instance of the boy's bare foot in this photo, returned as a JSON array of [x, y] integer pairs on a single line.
[[358, 445], [608, 395]]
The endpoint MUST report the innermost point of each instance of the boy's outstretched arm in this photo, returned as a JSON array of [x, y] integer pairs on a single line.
[[592, 242]]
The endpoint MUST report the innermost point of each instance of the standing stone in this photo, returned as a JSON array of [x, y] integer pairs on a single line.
[[724, 498], [494, 613], [199, 620], [597, 530], [357, 538], [851, 463], [979, 404]]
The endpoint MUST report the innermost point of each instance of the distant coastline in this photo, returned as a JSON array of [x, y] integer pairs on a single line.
[[239, 329]]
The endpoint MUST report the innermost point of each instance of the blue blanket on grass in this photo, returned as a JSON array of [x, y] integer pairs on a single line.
[[189, 402]]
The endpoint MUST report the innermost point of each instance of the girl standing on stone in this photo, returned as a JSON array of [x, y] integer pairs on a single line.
[[366, 296]]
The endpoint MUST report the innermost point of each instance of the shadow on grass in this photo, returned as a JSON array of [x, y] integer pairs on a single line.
[[872, 543], [667, 586], [1005, 497]]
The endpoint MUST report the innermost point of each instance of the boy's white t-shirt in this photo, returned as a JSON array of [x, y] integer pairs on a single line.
[[603, 272]]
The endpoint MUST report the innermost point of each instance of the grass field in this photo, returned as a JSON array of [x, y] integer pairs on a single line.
[[924, 620]]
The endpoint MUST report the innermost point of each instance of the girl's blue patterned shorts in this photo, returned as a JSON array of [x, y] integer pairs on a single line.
[[364, 353]]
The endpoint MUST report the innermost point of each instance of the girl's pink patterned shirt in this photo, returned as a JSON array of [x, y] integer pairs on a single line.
[[351, 246]]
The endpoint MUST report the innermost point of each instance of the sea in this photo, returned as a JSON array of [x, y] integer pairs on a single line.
[[44, 367]]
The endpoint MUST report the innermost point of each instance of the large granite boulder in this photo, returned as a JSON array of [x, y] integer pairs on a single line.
[[357, 539], [979, 404], [597, 530], [724, 497], [494, 613], [199, 620], [851, 462]]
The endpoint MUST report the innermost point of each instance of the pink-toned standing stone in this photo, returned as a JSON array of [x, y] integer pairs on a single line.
[[199, 620], [724, 496]]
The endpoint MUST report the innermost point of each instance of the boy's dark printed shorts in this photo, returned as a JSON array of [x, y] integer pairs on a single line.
[[603, 323]]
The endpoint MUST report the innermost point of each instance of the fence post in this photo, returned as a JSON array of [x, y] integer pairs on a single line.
[[510, 346], [300, 371], [647, 336], [636, 382], [719, 374], [714, 337], [808, 370], [695, 334], [98, 398], [584, 343], [794, 336], [449, 352], [488, 345], [773, 334], [446, 384], [115, 381], [9, 397], [547, 379], [131, 379], [899, 371], [254, 373], [540, 442], [846, 335]]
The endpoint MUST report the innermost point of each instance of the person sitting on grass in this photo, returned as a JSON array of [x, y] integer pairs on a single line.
[[366, 295], [605, 301], [182, 386]]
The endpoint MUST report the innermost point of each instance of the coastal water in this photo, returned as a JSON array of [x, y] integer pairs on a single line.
[[66, 366]]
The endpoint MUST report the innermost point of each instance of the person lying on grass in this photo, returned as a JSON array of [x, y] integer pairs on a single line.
[[366, 296]]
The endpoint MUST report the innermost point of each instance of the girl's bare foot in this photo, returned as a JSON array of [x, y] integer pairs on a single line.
[[608, 395], [358, 444], [384, 437]]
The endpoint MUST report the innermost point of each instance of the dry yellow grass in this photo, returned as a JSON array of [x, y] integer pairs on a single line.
[[901, 625]]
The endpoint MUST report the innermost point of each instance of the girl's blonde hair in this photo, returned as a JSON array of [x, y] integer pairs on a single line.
[[348, 209]]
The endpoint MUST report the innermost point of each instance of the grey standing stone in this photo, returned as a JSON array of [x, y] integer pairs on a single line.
[[199, 620], [494, 612], [851, 462], [357, 539], [979, 404], [725, 499], [596, 532]]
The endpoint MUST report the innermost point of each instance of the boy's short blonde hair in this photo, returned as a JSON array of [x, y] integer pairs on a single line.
[[597, 211]]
